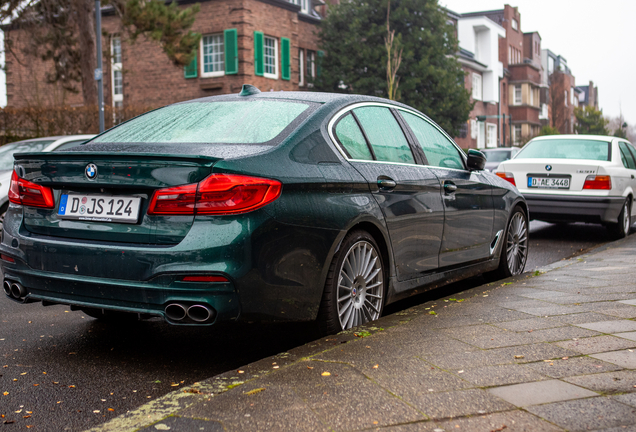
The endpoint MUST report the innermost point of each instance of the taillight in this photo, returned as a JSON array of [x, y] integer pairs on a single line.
[[597, 182], [507, 176], [27, 193], [217, 194], [204, 279]]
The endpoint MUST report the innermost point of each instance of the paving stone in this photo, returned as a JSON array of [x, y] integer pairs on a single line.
[[625, 359], [457, 403], [184, 424], [423, 426], [580, 318], [499, 340], [346, 399], [597, 344], [509, 421], [586, 414], [616, 309], [627, 399], [572, 366], [629, 302], [529, 324], [544, 294], [464, 332], [628, 335], [609, 382], [489, 376], [468, 359], [523, 395], [561, 333], [553, 310], [610, 326], [277, 407], [532, 353]]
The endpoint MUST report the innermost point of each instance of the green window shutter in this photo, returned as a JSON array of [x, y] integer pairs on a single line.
[[321, 54], [231, 51], [191, 71], [285, 58], [259, 66]]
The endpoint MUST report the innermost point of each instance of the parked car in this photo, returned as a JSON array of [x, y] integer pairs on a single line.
[[577, 178], [274, 206], [495, 156], [45, 144]]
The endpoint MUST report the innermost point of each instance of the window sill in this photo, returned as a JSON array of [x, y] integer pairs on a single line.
[[212, 74], [271, 76]]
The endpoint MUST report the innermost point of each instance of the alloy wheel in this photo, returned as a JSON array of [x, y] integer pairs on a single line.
[[360, 286], [626, 218], [517, 244]]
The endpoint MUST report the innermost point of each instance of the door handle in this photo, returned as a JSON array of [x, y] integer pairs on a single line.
[[449, 187], [386, 183]]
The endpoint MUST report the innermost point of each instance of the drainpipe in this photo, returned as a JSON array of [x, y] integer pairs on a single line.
[[499, 118]]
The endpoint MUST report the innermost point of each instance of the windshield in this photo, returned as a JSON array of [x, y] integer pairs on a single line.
[[566, 149], [497, 156], [232, 122], [6, 151]]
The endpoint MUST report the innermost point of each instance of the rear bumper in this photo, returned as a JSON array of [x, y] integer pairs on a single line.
[[574, 208]]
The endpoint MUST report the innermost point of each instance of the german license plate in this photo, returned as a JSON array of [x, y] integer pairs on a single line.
[[99, 208], [549, 182]]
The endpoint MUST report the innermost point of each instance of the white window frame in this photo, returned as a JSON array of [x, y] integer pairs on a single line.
[[517, 135], [116, 67], [202, 49], [477, 87], [518, 101], [301, 67], [473, 129], [514, 24], [491, 135], [481, 135], [265, 56], [566, 98], [311, 60], [531, 96], [304, 6]]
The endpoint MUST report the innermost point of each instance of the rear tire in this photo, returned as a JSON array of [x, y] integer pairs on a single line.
[[514, 251], [355, 288], [620, 229]]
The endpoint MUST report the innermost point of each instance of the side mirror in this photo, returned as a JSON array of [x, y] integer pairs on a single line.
[[476, 160]]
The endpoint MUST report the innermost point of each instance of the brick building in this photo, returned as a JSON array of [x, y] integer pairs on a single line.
[[588, 95], [563, 95], [269, 43]]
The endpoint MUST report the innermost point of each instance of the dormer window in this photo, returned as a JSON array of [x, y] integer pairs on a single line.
[[304, 5], [515, 24]]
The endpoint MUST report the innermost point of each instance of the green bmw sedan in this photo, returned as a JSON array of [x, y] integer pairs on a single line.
[[258, 206]]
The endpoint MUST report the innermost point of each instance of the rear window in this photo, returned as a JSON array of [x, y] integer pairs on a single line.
[[497, 156], [229, 122], [566, 149]]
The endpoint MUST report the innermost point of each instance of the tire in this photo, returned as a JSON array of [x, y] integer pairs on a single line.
[[3, 212], [514, 252], [620, 229], [355, 289]]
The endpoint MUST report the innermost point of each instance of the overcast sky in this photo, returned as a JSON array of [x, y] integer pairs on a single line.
[[596, 37]]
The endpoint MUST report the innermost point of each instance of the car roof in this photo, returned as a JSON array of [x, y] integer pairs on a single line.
[[56, 138], [575, 137]]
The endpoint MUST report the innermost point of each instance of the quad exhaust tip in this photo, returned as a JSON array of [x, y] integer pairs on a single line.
[[14, 290], [175, 311], [197, 313], [7, 288]]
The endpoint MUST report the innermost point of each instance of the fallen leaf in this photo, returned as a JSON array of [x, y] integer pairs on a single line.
[[96, 411], [27, 416], [18, 411], [276, 367], [241, 371], [253, 392], [325, 374], [461, 371], [375, 422], [519, 356], [71, 386], [35, 385], [5, 393], [174, 385], [376, 366], [9, 421], [310, 367], [564, 358], [72, 353], [23, 373], [111, 409]]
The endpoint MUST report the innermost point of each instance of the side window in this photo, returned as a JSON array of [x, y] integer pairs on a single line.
[[350, 137], [385, 134], [626, 156], [70, 144], [439, 151]]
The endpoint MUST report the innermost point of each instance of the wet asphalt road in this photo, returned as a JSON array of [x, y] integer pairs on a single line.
[[62, 370]]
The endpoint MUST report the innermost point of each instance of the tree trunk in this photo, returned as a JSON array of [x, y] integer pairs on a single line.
[[85, 16]]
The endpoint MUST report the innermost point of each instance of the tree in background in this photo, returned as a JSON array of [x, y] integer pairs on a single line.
[[63, 31], [548, 130], [590, 121], [356, 59], [620, 128], [394, 58]]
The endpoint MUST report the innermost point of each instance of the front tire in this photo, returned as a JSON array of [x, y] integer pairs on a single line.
[[620, 229], [355, 289], [514, 251]]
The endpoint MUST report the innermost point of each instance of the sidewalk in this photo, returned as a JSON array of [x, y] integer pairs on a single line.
[[549, 351]]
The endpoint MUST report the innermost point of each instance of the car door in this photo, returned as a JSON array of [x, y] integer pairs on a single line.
[[408, 194], [466, 195], [629, 162]]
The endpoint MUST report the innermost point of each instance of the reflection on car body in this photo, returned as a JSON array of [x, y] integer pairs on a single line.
[[319, 207]]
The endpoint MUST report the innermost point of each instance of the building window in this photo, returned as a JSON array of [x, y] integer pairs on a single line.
[[311, 67], [270, 57], [473, 129], [516, 130], [117, 79], [477, 87], [301, 67], [566, 98], [531, 96], [515, 24], [517, 95], [213, 54], [491, 136], [304, 5]]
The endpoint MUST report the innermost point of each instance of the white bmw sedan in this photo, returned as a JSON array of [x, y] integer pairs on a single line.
[[576, 178]]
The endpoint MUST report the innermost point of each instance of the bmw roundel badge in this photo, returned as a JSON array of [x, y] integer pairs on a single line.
[[91, 171], [547, 168]]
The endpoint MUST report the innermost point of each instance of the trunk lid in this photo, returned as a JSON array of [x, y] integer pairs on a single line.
[[120, 177]]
